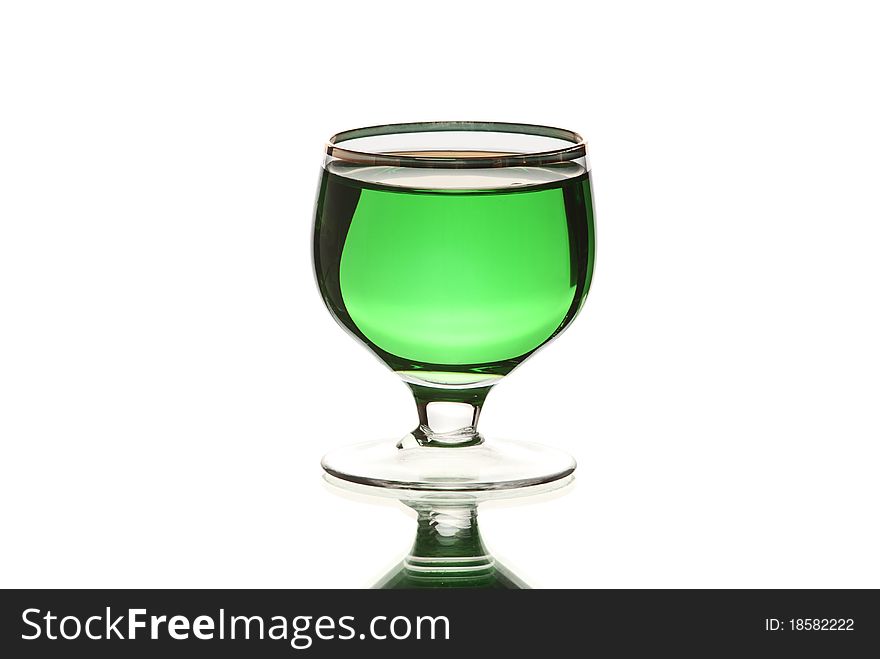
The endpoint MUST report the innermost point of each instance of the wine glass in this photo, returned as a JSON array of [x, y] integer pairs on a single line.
[[453, 251]]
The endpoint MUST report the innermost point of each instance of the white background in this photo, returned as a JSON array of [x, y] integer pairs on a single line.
[[169, 378]]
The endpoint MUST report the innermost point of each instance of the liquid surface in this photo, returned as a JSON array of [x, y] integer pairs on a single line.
[[454, 276]]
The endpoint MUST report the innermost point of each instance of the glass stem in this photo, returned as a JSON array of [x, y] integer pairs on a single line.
[[448, 417]]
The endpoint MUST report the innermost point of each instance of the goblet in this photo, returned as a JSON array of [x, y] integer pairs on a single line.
[[453, 251]]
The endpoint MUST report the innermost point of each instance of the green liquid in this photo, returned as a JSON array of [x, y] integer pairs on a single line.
[[454, 285]]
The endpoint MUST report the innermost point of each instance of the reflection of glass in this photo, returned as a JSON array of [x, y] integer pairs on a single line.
[[453, 251], [448, 551]]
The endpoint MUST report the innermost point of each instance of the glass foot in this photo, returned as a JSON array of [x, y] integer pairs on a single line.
[[406, 465]]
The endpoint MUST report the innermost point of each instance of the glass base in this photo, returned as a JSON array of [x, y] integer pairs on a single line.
[[495, 464]]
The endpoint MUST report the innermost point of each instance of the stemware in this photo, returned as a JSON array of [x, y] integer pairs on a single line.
[[453, 251]]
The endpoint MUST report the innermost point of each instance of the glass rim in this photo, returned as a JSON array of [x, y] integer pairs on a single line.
[[576, 149]]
